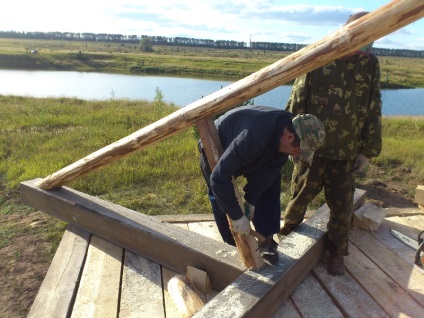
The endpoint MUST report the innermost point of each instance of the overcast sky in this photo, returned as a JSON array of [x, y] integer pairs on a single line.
[[261, 20]]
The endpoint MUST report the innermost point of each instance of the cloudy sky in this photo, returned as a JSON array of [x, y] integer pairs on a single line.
[[261, 20]]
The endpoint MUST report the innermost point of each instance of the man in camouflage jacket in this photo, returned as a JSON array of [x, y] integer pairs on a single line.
[[345, 96]]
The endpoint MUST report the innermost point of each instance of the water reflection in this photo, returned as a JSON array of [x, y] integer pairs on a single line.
[[178, 90]]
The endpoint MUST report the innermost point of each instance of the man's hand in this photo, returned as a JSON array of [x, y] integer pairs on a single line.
[[242, 225], [360, 162], [249, 210]]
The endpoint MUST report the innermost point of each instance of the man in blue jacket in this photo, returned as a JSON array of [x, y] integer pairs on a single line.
[[257, 141]]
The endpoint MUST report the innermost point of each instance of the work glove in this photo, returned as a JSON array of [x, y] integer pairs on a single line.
[[242, 225], [359, 163], [249, 210]]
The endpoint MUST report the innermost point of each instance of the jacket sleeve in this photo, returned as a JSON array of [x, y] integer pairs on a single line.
[[371, 134], [237, 153], [298, 96]]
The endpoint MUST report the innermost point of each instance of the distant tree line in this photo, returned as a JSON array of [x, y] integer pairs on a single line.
[[183, 41]]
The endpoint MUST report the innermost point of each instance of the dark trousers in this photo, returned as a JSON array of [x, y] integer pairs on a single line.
[[267, 211], [338, 182]]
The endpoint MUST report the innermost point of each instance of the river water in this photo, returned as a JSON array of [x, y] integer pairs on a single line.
[[178, 90]]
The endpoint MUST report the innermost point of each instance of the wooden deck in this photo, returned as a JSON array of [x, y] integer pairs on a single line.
[[93, 275]]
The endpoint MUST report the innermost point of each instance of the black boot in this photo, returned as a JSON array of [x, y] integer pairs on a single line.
[[336, 264], [268, 249]]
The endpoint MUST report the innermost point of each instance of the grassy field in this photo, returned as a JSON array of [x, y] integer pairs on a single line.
[[41, 136], [206, 62]]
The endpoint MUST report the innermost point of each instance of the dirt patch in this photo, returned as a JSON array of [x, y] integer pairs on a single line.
[[390, 188], [25, 259]]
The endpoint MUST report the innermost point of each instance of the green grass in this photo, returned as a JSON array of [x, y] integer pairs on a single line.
[[40, 136], [190, 61], [403, 142]]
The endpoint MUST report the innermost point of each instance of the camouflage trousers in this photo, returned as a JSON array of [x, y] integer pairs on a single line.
[[338, 182]]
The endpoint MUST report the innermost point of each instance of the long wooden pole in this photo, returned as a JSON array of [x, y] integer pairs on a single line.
[[371, 27]]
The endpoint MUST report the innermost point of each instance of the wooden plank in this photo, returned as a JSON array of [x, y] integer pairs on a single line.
[[158, 241], [402, 250], [368, 217], [376, 24], [385, 290], [349, 296], [411, 280], [261, 292], [408, 225], [57, 292], [321, 307], [287, 310], [186, 218], [403, 212], [208, 229], [141, 289], [200, 279], [98, 293]]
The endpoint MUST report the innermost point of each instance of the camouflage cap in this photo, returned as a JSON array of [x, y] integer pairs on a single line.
[[311, 134]]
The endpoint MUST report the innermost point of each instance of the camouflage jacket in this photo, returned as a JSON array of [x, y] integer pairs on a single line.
[[346, 96]]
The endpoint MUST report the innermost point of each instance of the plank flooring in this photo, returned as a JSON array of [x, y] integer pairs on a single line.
[[381, 279]]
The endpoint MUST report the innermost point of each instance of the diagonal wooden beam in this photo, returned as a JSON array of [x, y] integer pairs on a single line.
[[371, 27]]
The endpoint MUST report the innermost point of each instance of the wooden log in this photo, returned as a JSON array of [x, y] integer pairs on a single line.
[[246, 244], [185, 296], [371, 27], [171, 310]]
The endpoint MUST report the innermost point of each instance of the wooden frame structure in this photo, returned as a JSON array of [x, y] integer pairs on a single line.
[[244, 290]]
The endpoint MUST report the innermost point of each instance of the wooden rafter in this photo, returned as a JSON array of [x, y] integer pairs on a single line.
[[369, 28]]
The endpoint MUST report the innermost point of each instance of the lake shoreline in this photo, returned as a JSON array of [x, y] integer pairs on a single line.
[[121, 58], [180, 91]]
